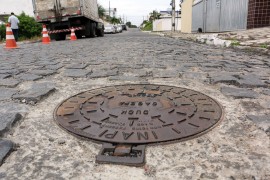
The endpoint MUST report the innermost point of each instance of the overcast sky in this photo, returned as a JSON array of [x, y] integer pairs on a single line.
[[134, 10]]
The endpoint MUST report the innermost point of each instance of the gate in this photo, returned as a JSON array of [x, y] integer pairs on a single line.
[[233, 15], [213, 16], [220, 15]]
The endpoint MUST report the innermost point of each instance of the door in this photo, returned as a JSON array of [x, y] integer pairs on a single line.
[[213, 15]]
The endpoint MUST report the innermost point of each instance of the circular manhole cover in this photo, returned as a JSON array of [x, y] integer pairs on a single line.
[[138, 114]]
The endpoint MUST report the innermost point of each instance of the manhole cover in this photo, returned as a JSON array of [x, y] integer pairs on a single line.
[[138, 114]]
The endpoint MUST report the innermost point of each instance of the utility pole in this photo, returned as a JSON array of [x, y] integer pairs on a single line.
[[110, 8], [173, 15]]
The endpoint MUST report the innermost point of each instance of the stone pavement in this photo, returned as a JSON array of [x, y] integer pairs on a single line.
[[251, 40], [36, 78]]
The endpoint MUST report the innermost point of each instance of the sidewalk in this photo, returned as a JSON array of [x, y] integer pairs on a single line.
[[254, 39]]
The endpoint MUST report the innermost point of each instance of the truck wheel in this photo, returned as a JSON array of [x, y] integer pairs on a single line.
[[100, 33], [78, 34], [92, 30], [60, 36]]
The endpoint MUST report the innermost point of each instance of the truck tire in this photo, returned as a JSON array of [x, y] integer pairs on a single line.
[[78, 34], [60, 36], [92, 30], [100, 33]]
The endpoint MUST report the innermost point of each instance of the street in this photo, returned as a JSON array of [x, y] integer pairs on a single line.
[[35, 78]]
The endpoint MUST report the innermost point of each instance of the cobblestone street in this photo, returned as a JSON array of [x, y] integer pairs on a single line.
[[35, 78]]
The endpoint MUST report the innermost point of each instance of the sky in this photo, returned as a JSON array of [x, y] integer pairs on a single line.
[[133, 10]]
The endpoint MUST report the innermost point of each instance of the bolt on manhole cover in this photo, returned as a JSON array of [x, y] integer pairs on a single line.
[[127, 117]]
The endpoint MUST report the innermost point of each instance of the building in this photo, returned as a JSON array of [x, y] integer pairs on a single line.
[[165, 21], [111, 12], [224, 15], [186, 14]]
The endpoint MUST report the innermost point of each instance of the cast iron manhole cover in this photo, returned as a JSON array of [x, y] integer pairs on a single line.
[[129, 115]]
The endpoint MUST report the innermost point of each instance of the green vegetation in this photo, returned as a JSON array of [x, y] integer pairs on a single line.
[[130, 25], [28, 28], [147, 25], [101, 11], [235, 43], [264, 46]]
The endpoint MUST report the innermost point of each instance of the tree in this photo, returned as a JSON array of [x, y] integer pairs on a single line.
[[28, 27], [115, 20], [154, 15], [128, 24], [101, 11]]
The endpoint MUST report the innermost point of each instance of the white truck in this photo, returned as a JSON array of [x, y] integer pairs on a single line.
[[62, 15]]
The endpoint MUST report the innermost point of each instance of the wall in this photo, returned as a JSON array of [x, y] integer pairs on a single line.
[[258, 13], [186, 8], [166, 24]]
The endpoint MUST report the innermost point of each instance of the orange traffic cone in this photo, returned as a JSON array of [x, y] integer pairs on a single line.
[[45, 36], [73, 35], [10, 40]]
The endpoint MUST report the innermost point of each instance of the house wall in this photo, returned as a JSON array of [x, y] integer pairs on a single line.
[[258, 13], [166, 24], [186, 22]]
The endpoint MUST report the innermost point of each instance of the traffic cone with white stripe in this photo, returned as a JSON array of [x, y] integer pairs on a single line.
[[73, 35], [45, 36], [10, 40]]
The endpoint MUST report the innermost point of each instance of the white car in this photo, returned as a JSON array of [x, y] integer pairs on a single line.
[[119, 29], [109, 29]]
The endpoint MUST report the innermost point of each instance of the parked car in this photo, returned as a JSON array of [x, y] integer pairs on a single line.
[[109, 29], [119, 28], [124, 27]]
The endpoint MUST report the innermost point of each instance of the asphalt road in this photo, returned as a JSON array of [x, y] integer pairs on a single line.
[[35, 78]]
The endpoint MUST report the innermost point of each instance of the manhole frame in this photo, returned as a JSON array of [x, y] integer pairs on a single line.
[[147, 143]]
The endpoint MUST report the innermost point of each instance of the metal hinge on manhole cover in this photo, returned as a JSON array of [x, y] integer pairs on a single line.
[[128, 117], [122, 154]]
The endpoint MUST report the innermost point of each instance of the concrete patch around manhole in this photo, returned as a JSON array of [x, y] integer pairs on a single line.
[[132, 116]]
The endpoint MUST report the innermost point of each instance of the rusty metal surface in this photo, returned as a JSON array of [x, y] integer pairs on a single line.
[[122, 154], [138, 114]]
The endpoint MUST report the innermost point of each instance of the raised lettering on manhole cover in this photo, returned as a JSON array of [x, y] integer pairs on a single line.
[[138, 114]]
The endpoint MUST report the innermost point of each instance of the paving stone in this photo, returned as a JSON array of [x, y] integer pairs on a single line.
[[35, 93], [11, 107], [28, 77], [77, 66], [11, 83], [104, 73], [6, 147], [41, 72], [239, 92], [7, 121], [54, 67], [266, 92], [223, 77], [4, 76], [166, 74], [76, 73], [261, 121], [250, 81], [46, 62], [10, 71], [6, 93]]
